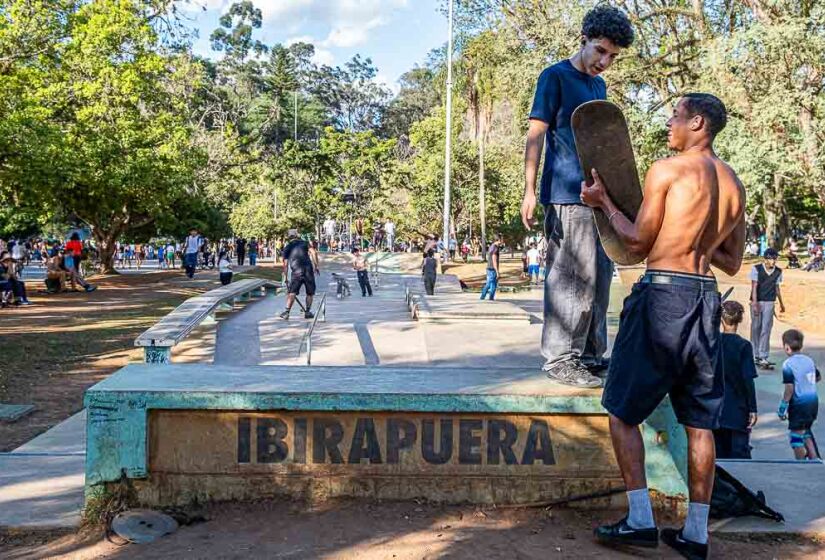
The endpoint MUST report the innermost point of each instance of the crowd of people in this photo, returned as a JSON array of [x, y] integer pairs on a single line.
[[65, 264]]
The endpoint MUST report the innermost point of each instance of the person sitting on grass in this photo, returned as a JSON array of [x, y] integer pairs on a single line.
[[799, 404], [55, 274], [9, 282], [732, 438]]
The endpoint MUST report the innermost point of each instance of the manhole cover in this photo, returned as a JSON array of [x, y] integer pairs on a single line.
[[143, 525]]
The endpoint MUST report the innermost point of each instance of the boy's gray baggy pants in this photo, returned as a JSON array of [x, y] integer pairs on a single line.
[[576, 287]]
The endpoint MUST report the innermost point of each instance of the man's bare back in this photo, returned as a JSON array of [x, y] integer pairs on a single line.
[[704, 204], [693, 210]]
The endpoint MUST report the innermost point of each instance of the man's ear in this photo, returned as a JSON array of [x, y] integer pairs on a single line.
[[697, 123], [583, 40]]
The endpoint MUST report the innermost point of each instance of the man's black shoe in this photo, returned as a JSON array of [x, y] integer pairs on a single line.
[[689, 549], [599, 369], [308, 314], [620, 533]]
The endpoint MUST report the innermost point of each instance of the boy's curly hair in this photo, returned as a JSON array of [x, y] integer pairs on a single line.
[[610, 23]]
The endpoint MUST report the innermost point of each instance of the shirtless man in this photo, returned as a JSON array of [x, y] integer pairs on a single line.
[[692, 216]]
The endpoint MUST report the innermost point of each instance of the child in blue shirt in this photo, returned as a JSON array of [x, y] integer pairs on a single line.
[[800, 404]]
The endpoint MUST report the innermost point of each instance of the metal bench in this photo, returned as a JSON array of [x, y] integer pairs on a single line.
[[158, 340]]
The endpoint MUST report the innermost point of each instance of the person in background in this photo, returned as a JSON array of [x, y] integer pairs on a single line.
[[252, 248], [71, 262], [170, 255], [191, 248], [732, 438], [429, 270], [240, 250], [300, 265], [9, 282], [493, 257], [224, 268], [533, 260], [800, 403], [765, 281], [55, 274], [359, 264], [389, 231]]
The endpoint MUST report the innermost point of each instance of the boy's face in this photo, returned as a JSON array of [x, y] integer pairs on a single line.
[[770, 262], [598, 54]]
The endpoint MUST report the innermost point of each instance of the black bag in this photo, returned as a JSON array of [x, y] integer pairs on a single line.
[[731, 498]]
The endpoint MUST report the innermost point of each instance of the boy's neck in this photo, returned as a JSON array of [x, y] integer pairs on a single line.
[[729, 329]]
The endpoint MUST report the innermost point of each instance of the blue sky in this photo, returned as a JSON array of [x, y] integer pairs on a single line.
[[395, 34]]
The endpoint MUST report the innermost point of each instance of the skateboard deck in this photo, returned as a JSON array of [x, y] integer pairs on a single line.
[[603, 143]]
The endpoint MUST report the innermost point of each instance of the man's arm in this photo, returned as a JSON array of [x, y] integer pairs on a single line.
[[532, 158], [779, 297], [728, 256], [638, 236]]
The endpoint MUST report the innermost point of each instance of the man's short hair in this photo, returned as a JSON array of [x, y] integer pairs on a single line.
[[710, 107], [793, 339], [609, 23]]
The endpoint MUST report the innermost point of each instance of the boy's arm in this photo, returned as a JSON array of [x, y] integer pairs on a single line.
[[779, 297], [754, 302]]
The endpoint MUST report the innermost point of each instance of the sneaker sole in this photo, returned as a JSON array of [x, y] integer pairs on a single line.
[[590, 385], [627, 542]]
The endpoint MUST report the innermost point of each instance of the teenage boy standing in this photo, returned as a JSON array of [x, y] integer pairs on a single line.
[[765, 280], [577, 282]]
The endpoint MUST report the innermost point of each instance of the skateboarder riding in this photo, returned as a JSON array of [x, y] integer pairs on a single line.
[[692, 216], [577, 281], [302, 262]]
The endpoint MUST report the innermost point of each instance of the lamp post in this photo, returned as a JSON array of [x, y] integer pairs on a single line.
[[448, 143]]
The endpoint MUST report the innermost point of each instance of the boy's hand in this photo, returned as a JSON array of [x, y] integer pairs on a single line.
[[782, 411], [781, 307], [752, 419]]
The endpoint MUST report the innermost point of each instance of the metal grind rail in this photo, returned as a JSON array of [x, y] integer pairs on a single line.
[[307, 340]]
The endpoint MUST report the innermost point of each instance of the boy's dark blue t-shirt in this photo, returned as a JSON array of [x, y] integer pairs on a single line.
[[560, 90]]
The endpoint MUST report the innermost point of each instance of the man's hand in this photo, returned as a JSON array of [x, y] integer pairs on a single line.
[[752, 419], [528, 208], [781, 307], [755, 308], [594, 195]]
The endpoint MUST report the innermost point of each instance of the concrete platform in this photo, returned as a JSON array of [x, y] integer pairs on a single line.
[[193, 433]]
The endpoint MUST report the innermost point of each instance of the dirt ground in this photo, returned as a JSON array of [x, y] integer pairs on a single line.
[[368, 531]]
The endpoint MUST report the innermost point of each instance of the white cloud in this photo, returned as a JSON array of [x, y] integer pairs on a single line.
[[349, 21], [323, 57], [299, 39]]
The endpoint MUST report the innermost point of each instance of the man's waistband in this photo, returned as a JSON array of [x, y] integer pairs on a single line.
[[695, 281]]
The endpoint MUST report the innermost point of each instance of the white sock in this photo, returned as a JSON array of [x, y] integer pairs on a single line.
[[696, 524], [640, 515]]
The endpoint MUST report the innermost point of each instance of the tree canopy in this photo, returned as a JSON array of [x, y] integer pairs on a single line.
[[107, 118]]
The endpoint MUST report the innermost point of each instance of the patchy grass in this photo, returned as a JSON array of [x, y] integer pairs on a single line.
[[55, 349]]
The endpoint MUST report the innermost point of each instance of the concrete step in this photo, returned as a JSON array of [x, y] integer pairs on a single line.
[[194, 432]]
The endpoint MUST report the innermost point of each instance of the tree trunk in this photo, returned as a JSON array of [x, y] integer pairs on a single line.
[[106, 249], [776, 214]]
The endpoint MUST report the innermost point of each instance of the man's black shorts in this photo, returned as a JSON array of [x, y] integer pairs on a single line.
[[668, 343], [302, 277]]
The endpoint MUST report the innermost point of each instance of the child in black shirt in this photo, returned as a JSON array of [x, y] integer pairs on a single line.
[[739, 408]]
